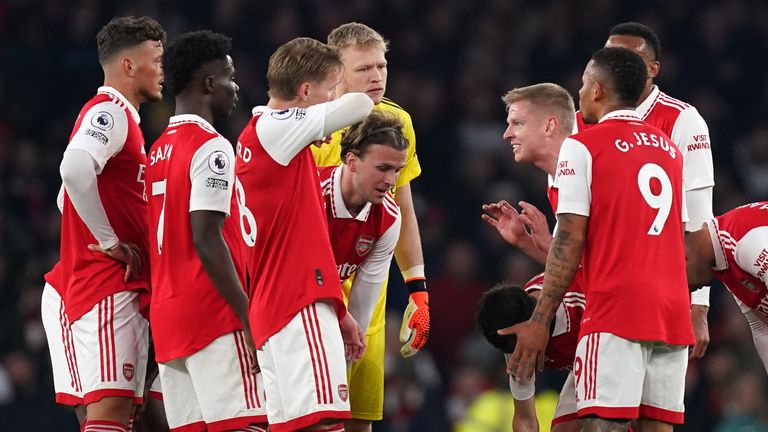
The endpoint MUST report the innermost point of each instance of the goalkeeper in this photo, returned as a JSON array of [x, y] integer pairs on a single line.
[[365, 70]]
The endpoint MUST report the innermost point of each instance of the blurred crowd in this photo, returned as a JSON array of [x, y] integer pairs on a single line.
[[450, 61]]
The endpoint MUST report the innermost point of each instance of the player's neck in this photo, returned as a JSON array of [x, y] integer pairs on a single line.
[[129, 92], [548, 163], [352, 201], [646, 92], [190, 105], [281, 104], [611, 107]]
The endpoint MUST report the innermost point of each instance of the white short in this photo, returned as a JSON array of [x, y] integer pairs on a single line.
[[212, 389], [623, 379], [305, 371], [155, 389], [566, 403], [111, 342], [66, 380]]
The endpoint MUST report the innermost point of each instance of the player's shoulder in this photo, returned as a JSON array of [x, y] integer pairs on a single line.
[[389, 207], [325, 174], [671, 102], [390, 106]]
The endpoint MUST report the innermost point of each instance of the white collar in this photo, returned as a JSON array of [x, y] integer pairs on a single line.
[[119, 96], [338, 207], [191, 118], [721, 263], [645, 106], [620, 115]]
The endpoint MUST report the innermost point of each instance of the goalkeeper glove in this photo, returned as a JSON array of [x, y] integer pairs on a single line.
[[414, 330]]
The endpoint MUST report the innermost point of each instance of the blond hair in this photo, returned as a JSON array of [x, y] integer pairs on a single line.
[[550, 97], [380, 127], [354, 33], [298, 61]]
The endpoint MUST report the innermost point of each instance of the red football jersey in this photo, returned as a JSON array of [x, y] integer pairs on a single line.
[[191, 168], [107, 128], [365, 240], [561, 348], [740, 242], [289, 260], [626, 176], [684, 125]]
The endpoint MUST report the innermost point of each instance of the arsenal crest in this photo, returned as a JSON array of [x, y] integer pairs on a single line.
[[128, 371], [343, 392], [364, 245]]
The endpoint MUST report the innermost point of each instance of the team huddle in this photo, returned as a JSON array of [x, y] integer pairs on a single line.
[[630, 180], [223, 265], [242, 287]]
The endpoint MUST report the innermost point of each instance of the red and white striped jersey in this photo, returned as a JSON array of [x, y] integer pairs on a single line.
[[366, 241], [107, 128], [191, 168], [288, 255], [626, 177], [561, 347], [740, 242], [684, 125]]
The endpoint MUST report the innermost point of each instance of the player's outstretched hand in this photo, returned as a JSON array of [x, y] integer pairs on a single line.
[[127, 253], [532, 338], [537, 224], [353, 337], [506, 220], [251, 347], [414, 330], [700, 331]]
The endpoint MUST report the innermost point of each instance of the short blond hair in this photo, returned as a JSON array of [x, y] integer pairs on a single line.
[[547, 96], [354, 33], [298, 61]]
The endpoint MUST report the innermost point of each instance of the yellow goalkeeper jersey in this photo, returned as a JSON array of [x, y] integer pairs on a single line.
[[330, 155]]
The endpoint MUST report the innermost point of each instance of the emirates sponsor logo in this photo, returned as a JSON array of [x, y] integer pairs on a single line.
[[364, 245]]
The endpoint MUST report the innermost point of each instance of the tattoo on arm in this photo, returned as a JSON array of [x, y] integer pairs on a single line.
[[562, 262], [602, 425]]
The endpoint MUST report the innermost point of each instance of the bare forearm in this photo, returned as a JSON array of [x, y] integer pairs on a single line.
[[562, 262], [408, 250], [217, 262]]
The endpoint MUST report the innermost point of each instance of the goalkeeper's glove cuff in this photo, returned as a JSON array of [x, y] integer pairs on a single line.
[[416, 285]]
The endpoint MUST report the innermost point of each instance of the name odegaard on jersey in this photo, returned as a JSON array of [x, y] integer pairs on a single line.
[[643, 139]]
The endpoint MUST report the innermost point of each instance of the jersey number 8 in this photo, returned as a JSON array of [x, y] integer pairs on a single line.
[[247, 221]]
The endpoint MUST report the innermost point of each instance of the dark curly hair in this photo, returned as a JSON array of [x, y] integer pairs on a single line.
[[502, 306], [126, 32], [626, 72], [641, 31], [190, 51]]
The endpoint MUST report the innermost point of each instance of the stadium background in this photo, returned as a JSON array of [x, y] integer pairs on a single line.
[[450, 61]]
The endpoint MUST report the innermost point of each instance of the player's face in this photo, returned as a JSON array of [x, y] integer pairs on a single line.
[[365, 71], [323, 91], [148, 63], [375, 173], [586, 92], [525, 131], [225, 89]]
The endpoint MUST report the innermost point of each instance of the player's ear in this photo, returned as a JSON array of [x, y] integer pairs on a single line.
[[208, 84], [654, 68], [303, 91], [551, 125], [128, 66]]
